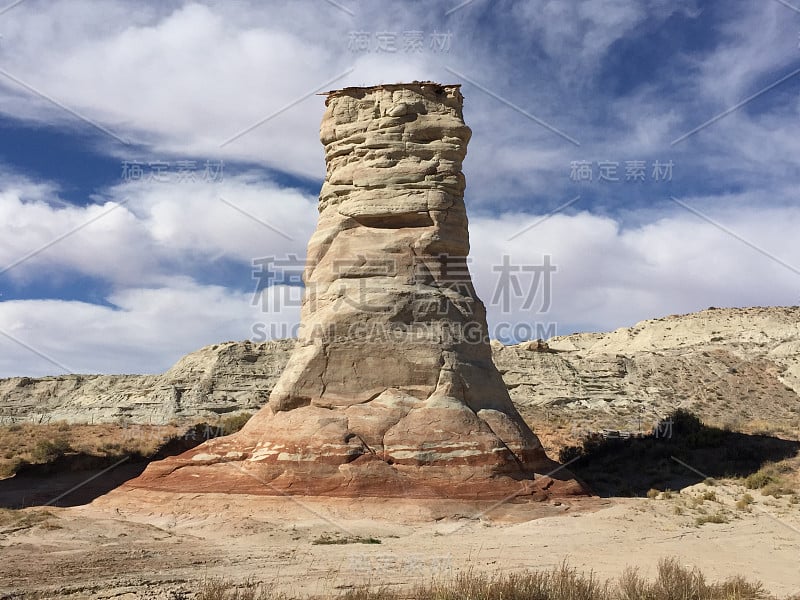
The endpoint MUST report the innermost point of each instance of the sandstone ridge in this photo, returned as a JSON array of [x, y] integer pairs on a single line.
[[705, 361]]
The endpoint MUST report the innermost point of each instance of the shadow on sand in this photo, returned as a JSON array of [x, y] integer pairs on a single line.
[[681, 451], [77, 478]]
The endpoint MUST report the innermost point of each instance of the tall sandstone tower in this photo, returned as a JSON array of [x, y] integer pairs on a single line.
[[391, 389]]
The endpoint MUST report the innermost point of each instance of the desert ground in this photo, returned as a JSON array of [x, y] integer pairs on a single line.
[[156, 546], [136, 544]]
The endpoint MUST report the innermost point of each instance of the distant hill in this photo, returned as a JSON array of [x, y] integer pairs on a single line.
[[738, 366], [734, 366]]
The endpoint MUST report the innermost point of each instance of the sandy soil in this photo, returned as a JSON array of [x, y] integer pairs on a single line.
[[142, 545]]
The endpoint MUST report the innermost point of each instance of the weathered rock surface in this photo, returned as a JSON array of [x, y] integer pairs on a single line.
[[723, 364], [735, 365], [215, 380], [391, 389]]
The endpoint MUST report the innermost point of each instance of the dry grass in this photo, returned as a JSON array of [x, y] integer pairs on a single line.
[[744, 502], [775, 479], [39, 444], [328, 540], [15, 520], [718, 517], [673, 582], [29, 443], [638, 465]]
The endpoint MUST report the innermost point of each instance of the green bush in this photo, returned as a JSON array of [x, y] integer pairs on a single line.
[[770, 480], [47, 451], [759, 479]]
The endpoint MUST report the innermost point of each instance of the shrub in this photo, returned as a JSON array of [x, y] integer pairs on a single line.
[[695, 501], [715, 518], [710, 495], [327, 540], [759, 479], [744, 502], [770, 480], [653, 493], [776, 490], [234, 423], [47, 451], [220, 589], [10, 468]]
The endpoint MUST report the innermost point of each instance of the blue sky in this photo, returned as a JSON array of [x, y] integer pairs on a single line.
[[104, 272]]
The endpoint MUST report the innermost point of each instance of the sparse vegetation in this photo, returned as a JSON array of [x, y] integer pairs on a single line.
[[220, 589], [50, 450], [23, 444], [15, 520], [717, 517], [327, 540], [744, 502], [673, 582], [758, 479], [11, 465], [777, 490], [772, 480], [234, 423], [680, 447], [709, 495]]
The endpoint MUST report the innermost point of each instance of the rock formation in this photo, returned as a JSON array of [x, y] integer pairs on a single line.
[[730, 366], [722, 364], [391, 389], [216, 380]]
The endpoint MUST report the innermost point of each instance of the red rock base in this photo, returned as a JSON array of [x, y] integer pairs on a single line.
[[220, 466]]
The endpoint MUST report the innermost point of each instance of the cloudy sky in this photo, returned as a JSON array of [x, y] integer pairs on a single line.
[[151, 151]]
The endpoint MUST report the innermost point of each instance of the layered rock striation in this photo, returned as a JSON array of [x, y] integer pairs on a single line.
[[217, 380], [391, 389], [722, 364]]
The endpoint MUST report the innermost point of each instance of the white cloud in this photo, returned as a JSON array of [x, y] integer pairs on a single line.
[[609, 276], [738, 64], [186, 78], [149, 329], [147, 231], [183, 77]]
